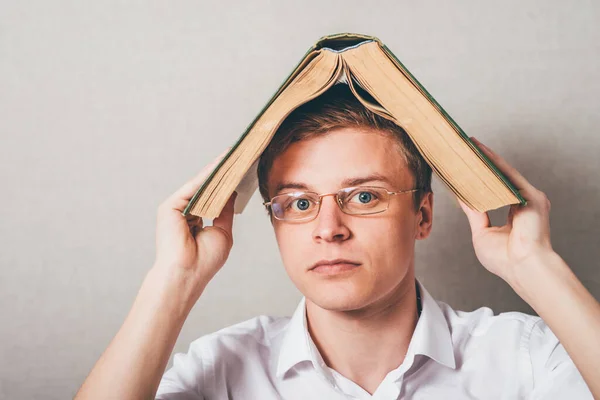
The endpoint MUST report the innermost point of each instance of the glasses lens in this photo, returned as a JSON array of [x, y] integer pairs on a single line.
[[295, 206], [364, 200]]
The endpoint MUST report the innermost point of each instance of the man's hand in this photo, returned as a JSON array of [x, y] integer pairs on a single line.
[[185, 248], [520, 252], [506, 250]]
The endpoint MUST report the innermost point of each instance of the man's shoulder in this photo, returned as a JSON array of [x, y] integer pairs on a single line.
[[240, 353], [484, 320], [261, 330]]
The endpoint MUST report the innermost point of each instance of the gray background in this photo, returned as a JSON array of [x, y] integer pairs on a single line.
[[108, 107]]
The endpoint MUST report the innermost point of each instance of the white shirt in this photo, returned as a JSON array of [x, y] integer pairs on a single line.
[[451, 355]]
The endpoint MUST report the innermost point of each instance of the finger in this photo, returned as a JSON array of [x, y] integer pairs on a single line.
[[190, 187], [225, 219], [511, 173], [478, 221]]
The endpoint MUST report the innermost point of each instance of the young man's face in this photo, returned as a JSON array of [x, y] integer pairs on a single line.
[[382, 245]]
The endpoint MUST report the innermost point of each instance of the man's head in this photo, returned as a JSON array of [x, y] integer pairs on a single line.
[[327, 144]]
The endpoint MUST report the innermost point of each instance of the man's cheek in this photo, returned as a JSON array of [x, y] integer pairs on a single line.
[[294, 253]]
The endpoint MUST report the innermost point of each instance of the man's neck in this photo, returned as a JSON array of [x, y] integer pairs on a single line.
[[365, 345]]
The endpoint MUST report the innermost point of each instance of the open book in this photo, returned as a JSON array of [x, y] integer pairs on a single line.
[[366, 65]]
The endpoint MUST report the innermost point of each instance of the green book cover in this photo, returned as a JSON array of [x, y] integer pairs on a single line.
[[340, 42]]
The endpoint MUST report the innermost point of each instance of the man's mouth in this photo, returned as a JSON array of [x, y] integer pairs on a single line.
[[331, 267]]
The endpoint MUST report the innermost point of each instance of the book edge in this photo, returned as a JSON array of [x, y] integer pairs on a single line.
[[458, 129], [286, 82], [364, 38], [313, 49]]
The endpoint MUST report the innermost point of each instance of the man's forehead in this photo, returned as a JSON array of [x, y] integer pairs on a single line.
[[340, 159]]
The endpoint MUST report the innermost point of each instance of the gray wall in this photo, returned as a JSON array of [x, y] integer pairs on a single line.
[[108, 107]]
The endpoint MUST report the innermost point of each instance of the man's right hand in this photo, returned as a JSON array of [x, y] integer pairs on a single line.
[[186, 250]]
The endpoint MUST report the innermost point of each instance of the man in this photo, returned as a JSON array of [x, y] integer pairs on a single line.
[[348, 195]]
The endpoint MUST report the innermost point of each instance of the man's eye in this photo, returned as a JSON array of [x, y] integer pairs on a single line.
[[364, 197], [300, 204]]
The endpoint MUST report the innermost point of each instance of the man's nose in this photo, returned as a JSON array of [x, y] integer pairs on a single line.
[[331, 225]]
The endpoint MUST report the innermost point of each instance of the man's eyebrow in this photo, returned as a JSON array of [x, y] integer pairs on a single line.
[[364, 179], [290, 185], [356, 181]]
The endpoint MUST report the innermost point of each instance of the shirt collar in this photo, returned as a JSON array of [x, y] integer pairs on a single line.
[[297, 345], [431, 338]]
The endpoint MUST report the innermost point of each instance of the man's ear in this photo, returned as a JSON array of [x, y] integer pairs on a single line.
[[424, 217]]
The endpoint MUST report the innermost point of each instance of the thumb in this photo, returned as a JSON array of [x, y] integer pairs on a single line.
[[478, 221]]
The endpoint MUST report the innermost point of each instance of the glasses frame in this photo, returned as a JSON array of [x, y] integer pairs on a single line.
[[337, 200]]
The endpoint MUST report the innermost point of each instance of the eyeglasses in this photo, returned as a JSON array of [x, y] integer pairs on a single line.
[[305, 206]]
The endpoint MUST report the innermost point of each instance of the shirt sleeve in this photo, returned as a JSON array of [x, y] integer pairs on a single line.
[[185, 379], [554, 373]]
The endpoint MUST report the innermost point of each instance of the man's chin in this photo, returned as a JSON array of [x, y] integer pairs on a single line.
[[339, 300], [353, 291]]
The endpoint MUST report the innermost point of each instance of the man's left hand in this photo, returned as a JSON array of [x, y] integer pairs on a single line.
[[506, 250]]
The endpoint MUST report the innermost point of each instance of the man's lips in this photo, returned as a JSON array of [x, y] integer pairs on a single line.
[[336, 266]]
